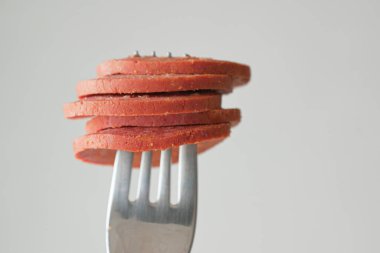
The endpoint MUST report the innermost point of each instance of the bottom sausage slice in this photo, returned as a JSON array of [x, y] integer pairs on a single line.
[[100, 148]]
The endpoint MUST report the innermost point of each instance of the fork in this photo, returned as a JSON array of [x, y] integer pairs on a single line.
[[141, 226]]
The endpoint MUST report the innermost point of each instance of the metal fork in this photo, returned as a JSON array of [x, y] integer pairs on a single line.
[[140, 226]]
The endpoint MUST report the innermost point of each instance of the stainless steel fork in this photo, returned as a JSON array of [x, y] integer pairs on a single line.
[[140, 226]]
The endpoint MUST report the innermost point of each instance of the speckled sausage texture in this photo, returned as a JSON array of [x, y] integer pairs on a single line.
[[100, 147], [132, 84], [200, 118], [239, 73], [142, 105]]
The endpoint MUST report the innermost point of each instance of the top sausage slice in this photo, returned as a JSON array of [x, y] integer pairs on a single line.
[[148, 65]]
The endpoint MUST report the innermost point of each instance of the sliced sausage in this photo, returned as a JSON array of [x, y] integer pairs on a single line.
[[148, 104], [95, 147], [147, 65], [131, 84], [200, 118], [107, 156]]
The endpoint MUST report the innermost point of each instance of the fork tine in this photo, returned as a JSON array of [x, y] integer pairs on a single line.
[[187, 174], [164, 178], [121, 179], [119, 194], [144, 178]]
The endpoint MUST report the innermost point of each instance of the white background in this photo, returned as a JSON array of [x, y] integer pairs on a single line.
[[299, 174]]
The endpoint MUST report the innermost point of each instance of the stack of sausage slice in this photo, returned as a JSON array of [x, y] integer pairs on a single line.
[[154, 103]]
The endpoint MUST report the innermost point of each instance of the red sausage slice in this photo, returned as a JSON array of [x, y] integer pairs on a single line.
[[130, 84], [107, 156], [200, 118], [148, 104], [93, 147], [147, 65]]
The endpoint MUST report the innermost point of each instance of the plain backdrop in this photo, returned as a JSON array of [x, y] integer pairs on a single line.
[[299, 174]]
